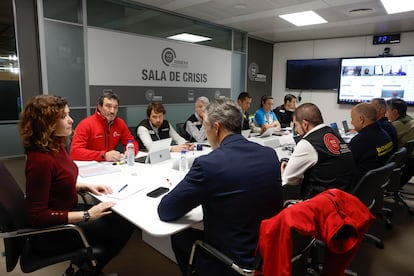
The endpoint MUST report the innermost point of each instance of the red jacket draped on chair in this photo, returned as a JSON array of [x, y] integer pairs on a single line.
[[320, 217]]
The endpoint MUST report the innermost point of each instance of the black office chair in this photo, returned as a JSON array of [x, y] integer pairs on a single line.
[[303, 244], [394, 185], [180, 127], [408, 170], [14, 231], [369, 188], [133, 130], [345, 239]]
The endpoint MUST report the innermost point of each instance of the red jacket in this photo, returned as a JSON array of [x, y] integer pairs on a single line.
[[320, 217], [94, 137]]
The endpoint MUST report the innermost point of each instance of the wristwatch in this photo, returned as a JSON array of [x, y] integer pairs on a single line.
[[86, 216]]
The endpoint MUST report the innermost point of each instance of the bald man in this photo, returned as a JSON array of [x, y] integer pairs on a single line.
[[372, 146], [381, 107]]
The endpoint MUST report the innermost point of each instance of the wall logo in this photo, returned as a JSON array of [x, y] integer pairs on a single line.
[[253, 72], [169, 58], [168, 55]]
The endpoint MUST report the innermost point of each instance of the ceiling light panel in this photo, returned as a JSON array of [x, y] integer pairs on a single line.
[[397, 6], [189, 37], [303, 18]]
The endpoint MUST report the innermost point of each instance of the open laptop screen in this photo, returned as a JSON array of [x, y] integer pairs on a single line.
[[159, 151], [345, 125], [268, 132]]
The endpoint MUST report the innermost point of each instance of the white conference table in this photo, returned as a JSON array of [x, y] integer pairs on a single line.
[[133, 203], [282, 144], [137, 207]]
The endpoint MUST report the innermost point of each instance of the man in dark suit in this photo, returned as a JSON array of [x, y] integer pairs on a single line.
[[244, 100], [238, 185]]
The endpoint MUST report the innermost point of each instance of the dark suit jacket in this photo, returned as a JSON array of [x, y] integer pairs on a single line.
[[238, 185]]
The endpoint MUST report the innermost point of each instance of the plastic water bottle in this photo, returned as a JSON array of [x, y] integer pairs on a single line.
[[183, 165], [130, 153]]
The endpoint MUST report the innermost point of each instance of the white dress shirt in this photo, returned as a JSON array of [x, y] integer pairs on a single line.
[[145, 137], [303, 157]]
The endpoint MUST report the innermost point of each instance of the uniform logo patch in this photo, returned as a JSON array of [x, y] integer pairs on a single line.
[[332, 143]]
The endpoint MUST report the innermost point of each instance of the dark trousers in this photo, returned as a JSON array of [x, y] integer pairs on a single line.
[[181, 244], [204, 264], [110, 232]]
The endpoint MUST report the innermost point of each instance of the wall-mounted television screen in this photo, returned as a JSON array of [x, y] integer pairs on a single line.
[[313, 74], [365, 78]]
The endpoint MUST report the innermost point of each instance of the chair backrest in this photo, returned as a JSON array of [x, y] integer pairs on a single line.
[[12, 215], [410, 148], [372, 182], [180, 127], [399, 158], [133, 130]]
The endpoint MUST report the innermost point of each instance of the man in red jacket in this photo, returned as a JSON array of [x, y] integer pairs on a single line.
[[97, 136]]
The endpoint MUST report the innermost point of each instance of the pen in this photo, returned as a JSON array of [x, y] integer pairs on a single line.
[[120, 190], [121, 162], [169, 181]]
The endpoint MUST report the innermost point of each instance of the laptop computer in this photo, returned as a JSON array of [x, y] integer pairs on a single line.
[[159, 151], [335, 128], [246, 133], [268, 132], [345, 125]]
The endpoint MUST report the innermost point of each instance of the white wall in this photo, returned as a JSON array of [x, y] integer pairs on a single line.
[[329, 48]]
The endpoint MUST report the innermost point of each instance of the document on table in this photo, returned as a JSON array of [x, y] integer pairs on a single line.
[[124, 190], [95, 168]]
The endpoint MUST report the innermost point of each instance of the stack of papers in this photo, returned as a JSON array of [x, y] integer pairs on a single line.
[[95, 168]]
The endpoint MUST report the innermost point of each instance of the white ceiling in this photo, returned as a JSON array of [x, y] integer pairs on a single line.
[[260, 17]]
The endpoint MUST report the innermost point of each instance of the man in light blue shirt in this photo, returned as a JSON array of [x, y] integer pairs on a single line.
[[265, 117]]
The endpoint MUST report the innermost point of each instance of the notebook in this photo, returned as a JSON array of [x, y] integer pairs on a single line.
[[159, 151]]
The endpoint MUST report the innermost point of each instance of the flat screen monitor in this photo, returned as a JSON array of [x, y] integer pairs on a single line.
[[313, 74], [365, 78]]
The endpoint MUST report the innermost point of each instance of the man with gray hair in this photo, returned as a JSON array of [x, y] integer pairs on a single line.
[[194, 125], [381, 108], [372, 146], [238, 185]]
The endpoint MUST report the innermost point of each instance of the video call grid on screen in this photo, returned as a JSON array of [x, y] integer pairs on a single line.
[[371, 77]]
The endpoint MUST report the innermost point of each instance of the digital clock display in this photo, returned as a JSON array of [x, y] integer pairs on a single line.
[[386, 39]]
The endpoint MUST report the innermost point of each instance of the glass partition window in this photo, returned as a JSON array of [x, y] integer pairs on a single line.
[[64, 10], [9, 65], [142, 20], [65, 61]]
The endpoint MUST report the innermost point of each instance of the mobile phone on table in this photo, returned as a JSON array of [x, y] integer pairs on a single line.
[[157, 192]]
